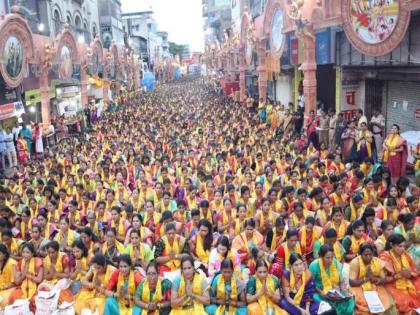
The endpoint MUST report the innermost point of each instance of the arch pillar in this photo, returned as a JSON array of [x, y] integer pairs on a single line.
[[262, 71], [309, 70]]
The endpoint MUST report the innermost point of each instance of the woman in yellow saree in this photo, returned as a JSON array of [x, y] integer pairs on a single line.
[[263, 292], [7, 276], [200, 244], [189, 291], [92, 295], [29, 274], [367, 274]]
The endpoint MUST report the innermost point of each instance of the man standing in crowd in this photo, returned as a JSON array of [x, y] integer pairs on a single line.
[[331, 131], [378, 126], [324, 123], [16, 130], [10, 148]]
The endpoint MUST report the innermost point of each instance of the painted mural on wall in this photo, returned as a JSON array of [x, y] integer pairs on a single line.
[[276, 30], [13, 57], [374, 20], [66, 65]]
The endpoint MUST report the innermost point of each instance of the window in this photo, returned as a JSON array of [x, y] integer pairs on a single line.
[[78, 22], [68, 20]]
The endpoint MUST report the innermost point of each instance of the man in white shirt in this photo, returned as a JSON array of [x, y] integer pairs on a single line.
[[378, 126], [16, 130]]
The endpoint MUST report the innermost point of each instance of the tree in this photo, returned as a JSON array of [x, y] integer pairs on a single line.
[[175, 49]]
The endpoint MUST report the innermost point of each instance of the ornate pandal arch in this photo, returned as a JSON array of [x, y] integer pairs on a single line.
[[14, 25], [97, 48]]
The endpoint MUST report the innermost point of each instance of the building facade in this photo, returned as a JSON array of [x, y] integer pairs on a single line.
[[329, 54], [110, 22]]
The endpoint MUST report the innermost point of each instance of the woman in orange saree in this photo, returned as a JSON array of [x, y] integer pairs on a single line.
[[404, 285], [245, 242], [395, 153], [29, 274], [367, 274]]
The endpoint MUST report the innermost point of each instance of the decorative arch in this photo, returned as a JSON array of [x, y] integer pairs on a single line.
[[57, 9], [69, 18], [274, 13], [66, 52], [16, 38], [113, 61]]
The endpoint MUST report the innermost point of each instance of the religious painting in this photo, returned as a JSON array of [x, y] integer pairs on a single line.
[[276, 31], [66, 65], [374, 20], [13, 57]]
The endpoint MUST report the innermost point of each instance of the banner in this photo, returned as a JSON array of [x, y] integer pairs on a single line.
[[323, 40]]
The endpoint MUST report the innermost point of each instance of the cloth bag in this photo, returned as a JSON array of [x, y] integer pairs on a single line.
[[46, 302], [19, 307]]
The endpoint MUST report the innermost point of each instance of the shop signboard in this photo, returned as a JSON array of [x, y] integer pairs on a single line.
[[323, 40], [352, 94]]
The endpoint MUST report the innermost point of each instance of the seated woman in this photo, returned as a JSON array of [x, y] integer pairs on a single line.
[[276, 236], [368, 218], [221, 252], [245, 242], [29, 274], [120, 224], [201, 243], [81, 267], [411, 235], [337, 222], [153, 295], [169, 250], [112, 249], [298, 288], [146, 234], [56, 268], [308, 235], [291, 245], [405, 281], [38, 241], [189, 293], [367, 274], [7, 276], [65, 237], [327, 274], [263, 292], [355, 237], [226, 294], [92, 295], [7, 238], [90, 241], [121, 288], [387, 228], [140, 253]]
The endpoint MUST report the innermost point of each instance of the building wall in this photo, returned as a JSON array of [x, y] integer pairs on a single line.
[[397, 93], [284, 90]]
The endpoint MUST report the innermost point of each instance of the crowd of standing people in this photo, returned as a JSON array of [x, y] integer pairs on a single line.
[[179, 201]]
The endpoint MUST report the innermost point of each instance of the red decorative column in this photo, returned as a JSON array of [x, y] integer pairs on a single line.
[[309, 71], [83, 86], [262, 70]]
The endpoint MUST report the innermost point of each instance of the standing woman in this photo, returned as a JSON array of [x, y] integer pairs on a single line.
[[404, 285], [367, 274], [263, 292], [153, 295], [121, 288], [364, 141], [395, 153], [226, 294], [328, 275], [348, 142], [298, 289], [7, 276], [189, 291]]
